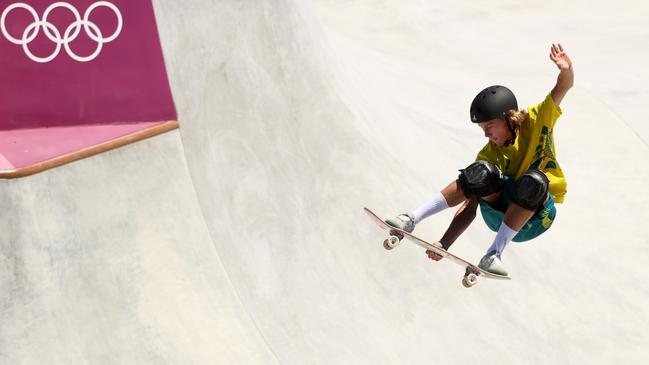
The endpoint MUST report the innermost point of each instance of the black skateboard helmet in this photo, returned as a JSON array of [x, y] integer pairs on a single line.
[[492, 102]]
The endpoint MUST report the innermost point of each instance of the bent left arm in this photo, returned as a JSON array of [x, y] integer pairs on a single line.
[[566, 75]]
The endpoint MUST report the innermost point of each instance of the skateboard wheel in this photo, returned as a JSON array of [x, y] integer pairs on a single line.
[[391, 242], [470, 280]]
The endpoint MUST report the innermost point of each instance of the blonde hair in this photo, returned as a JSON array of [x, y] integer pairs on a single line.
[[516, 118]]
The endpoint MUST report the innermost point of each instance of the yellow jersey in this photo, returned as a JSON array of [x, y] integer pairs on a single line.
[[533, 148]]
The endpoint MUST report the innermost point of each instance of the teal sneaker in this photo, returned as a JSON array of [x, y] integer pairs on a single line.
[[491, 263], [404, 222]]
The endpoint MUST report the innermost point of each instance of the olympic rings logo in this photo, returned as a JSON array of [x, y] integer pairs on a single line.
[[53, 34]]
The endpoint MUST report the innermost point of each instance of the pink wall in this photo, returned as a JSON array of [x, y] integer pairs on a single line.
[[126, 82], [76, 75]]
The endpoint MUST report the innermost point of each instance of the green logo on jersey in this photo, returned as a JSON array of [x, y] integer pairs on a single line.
[[544, 152]]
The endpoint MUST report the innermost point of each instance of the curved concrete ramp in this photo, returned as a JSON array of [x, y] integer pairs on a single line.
[[241, 239], [295, 117], [108, 261]]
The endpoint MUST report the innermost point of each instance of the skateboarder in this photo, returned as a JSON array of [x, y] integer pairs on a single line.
[[515, 180]]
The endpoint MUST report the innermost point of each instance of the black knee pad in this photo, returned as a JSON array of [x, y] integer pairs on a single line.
[[480, 179], [532, 189]]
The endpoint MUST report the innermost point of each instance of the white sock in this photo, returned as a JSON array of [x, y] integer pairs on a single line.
[[434, 206], [504, 235]]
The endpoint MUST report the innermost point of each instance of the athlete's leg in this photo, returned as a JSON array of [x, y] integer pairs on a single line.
[[452, 195], [516, 216], [479, 179], [449, 197], [531, 193]]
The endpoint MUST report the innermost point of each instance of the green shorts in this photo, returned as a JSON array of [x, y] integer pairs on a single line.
[[539, 223]]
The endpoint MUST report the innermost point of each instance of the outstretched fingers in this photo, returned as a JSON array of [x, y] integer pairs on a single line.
[[555, 51], [559, 56]]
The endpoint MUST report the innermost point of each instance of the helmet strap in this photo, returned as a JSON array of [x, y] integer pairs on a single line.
[[511, 141]]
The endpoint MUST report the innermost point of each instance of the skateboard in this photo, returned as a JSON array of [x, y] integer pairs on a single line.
[[471, 272]]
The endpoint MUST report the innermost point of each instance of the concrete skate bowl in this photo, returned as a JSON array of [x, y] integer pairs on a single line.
[[301, 115], [241, 237]]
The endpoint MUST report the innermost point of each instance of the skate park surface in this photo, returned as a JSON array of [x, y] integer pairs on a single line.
[[240, 238]]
